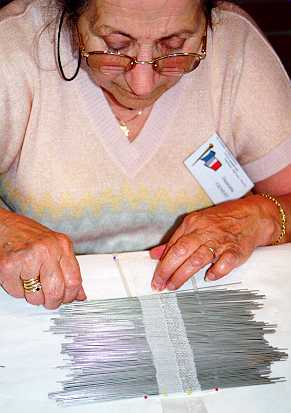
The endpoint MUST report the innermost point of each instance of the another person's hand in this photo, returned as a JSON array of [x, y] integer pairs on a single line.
[[29, 250], [224, 235]]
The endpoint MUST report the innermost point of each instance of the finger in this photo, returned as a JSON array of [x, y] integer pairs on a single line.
[[10, 271], [228, 261], [157, 252], [53, 284], [175, 257], [174, 238], [71, 272], [33, 297], [72, 277], [201, 257], [81, 295], [30, 269], [14, 289], [185, 228]]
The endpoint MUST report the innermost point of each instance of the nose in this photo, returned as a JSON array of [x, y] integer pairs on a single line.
[[142, 79]]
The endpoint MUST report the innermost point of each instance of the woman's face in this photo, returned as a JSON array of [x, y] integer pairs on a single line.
[[145, 29]]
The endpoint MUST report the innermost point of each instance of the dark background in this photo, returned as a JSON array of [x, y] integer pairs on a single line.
[[274, 18]]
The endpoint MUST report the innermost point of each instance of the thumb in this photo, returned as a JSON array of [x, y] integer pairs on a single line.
[[81, 296], [157, 252]]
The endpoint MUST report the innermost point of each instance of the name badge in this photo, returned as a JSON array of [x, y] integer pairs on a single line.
[[218, 172]]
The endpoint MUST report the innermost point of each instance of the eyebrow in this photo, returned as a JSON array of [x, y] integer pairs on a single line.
[[105, 30]]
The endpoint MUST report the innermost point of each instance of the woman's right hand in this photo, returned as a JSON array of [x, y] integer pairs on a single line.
[[30, 250]]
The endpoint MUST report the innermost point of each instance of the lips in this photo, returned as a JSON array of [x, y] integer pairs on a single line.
[[131, 95]]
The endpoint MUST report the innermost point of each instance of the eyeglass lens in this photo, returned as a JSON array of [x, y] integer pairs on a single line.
[[177, 65], [114, 65]]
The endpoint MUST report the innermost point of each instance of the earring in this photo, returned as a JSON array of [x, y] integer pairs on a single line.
[[68, 79]]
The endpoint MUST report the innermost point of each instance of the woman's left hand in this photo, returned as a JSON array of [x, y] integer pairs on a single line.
[[224, 235]]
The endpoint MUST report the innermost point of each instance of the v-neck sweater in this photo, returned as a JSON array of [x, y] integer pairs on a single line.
[[65, 162]]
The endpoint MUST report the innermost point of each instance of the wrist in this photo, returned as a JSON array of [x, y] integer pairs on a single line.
[[282, 217], [272, 223]]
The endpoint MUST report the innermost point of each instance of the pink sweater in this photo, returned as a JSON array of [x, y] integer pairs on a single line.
[[65, 162]]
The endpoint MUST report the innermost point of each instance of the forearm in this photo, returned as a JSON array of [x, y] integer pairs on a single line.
[[4, 216]]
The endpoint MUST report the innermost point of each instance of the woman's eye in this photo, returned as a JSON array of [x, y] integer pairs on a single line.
[[116, 48], [173, 44], [116, 43], [113, 49]]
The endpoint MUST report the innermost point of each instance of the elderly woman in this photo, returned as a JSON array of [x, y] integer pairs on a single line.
[[101, 103]]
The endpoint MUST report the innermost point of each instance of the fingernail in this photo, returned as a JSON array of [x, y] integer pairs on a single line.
[[161, 288], [209, 277], [154, 287], [171, 287], [158, 290]]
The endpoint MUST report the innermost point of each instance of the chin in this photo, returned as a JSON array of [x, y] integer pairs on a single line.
[[132, 101], [135, 103]]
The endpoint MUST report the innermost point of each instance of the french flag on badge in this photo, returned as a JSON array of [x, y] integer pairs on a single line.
[[211, 161]]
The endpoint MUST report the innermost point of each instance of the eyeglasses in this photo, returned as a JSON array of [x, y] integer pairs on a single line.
[[175, 64]]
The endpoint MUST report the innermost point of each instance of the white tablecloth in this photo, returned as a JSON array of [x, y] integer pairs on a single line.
[[29, 353]]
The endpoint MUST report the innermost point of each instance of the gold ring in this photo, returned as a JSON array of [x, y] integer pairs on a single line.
[[32, 285], [213, 253]]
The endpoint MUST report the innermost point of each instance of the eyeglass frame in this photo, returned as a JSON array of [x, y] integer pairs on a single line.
[[153, 62]]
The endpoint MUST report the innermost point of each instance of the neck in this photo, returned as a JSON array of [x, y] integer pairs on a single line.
[[121, 112], [115, 105]]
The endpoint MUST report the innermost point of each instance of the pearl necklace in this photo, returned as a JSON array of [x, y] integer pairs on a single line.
[[123, 125]]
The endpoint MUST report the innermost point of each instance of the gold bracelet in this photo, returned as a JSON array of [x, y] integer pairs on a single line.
[[283, 218]]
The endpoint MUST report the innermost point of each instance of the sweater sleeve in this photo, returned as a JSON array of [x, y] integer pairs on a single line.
[[261, 115], [17, 75], [15, 106]]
